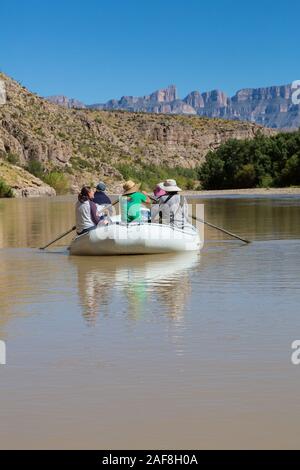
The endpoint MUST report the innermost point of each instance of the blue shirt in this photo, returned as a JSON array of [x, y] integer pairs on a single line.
[[101, 198]]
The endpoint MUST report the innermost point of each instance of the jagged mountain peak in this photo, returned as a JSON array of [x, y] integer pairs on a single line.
[[269, 106], [66, 102]]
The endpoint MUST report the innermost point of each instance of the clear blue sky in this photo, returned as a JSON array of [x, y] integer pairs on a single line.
[[94, 50]]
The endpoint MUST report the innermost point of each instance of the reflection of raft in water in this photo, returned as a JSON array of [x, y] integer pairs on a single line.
[[140, 278], [121, 272], [136, 238]]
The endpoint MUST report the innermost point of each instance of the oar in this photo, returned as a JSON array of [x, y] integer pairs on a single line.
[[58, 238], [71, 230], [213, 226], [221, 229]]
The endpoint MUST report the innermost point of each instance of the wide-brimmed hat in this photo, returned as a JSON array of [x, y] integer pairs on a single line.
[[130, 187], [101, 186], [170, 186], [159, 191]]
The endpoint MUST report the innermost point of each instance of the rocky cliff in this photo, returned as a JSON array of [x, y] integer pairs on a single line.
[[23, 183], [62, 100], [270, 107], [88, 145]]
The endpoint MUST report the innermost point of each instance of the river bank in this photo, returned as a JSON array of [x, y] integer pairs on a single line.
[[242, 192]]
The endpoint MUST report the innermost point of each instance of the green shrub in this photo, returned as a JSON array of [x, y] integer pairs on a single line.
[[62, 135], [36, 168], [261, 162], [211, 173], [150, 175], [245, 176], [12, 158], [5, 189], [266, 182], [58, 181], [79, 163], [291, 170]]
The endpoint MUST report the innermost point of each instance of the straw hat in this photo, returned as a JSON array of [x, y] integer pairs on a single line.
[[170, 186], [130, 187]]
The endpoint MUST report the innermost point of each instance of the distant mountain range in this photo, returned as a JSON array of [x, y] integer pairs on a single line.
[[270, 106]]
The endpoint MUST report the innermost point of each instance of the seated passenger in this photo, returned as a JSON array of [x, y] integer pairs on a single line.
[[131, 202], [102, 201], [100, 197], [86, 211], [172, 209], [158, 192]]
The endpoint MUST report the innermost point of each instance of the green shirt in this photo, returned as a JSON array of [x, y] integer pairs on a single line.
[[134, 202]]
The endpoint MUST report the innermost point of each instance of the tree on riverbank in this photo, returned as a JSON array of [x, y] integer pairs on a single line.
[[261, 162]]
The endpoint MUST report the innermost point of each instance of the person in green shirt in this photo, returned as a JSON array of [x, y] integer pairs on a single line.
[[133, 198]]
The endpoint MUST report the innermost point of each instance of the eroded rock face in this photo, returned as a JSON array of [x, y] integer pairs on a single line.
[[10, 145], [191, 144], [269, 106], [165, 95], [24, 184], [259, 94], [215, 97], [66, 102], [195, 100]]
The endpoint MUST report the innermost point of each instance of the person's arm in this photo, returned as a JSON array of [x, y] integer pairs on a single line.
[[95, 218], [147, 200]]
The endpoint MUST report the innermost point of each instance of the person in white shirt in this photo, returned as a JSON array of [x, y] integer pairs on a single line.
[[87, 217], [173, 208]]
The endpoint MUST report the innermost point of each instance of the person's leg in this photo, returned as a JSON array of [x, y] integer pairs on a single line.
[[87, 230]]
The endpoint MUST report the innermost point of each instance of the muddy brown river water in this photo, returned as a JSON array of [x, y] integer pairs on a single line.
[[185, 351]]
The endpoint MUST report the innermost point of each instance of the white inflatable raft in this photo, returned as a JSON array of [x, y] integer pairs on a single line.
[[136, 238]]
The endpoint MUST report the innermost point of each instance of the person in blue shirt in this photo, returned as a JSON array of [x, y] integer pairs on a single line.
[[100, 197], [102, 201]]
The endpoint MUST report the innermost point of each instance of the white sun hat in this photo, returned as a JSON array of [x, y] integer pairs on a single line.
[[170, 186]]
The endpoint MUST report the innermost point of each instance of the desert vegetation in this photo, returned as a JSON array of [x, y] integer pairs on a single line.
[[261, 162], [5, 190], [150, 175]]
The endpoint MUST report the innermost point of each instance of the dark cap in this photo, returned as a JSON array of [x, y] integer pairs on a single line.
[[101, 186]]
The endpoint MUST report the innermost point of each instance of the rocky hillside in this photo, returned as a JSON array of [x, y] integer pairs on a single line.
[[88, 145], [270, 107], [23, 183]]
